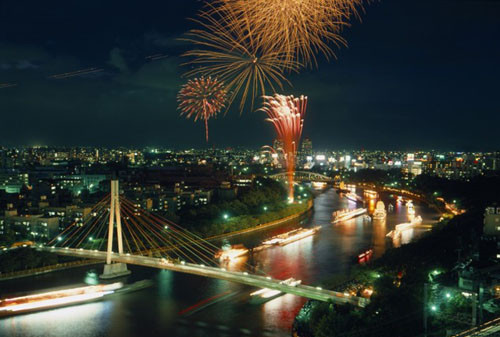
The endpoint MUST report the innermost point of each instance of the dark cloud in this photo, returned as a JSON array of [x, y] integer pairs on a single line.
[[118, 61]]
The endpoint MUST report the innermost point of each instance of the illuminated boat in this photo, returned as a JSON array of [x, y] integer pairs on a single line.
[[292, 236], [230, 253], [347, 214], [353, 197], [342, 188], [265, 294], [411, 208], [380, 212], [370, 194], [365, 256], [404, 226], [319, 185], [57, 298]]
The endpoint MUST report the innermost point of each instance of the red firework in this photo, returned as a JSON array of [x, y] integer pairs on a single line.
[[202, 98], [287, 113]]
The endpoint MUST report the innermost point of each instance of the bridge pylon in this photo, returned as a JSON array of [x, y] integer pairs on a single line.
[[112, 270]]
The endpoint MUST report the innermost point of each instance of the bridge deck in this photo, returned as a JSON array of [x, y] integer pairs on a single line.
[[218, 273]]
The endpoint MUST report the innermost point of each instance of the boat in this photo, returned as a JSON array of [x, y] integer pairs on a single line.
[[370, 194], [58, 298], [404, 226], [289, 237], [380, 213], [263, 295], [353, 197], [365, 256], [411, 208], [231, 252], [342, 188], [347, 214]]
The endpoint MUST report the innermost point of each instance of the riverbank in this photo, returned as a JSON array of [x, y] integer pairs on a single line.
[[46, 269], [309, 206], [441, 209], [396, 281]]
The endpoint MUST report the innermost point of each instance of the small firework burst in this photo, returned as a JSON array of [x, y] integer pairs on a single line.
[[202, 98]]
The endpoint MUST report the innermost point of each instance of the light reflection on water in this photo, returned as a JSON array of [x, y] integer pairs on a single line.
[[60, 322], [155, 311]]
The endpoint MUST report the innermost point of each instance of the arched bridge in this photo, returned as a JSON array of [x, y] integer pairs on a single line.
[[300, 176]]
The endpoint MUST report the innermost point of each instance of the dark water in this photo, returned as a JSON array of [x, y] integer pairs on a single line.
[[187, 305]]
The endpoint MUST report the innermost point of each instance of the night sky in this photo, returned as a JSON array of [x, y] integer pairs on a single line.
[[417, 75]]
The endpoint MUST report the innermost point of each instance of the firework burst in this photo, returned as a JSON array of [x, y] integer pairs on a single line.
[[202, 98], [287, 113], [298, 29], [227, 48]]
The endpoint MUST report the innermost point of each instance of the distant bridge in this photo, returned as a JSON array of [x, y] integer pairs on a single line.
[[300, 176]]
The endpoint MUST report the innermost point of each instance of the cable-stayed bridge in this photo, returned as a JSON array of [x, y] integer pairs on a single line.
[[146, 239]]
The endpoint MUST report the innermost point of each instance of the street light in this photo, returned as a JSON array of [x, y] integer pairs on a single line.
[[59, 238], [433, 308], [265, 208], [225, 216]]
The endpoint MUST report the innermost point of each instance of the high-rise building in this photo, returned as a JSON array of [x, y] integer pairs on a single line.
[[306, 148], [496, 161]]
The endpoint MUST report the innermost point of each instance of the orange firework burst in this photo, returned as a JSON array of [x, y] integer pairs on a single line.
[[287, 113], [299, 29], [231, 52], [202, 98]]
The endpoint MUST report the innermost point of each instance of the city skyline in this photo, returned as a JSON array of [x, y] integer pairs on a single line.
[[423, 86]]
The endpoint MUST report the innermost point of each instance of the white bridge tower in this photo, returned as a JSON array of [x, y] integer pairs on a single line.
[[112, 270]]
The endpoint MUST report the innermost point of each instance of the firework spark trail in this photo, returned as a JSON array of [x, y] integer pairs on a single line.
[[156, 57], [298, 29], [287, 113], [202, 98], [76, 73], [7, 85], [230, 52]]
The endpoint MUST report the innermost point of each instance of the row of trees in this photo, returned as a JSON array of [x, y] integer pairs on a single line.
[[264, 202], [25, 258]]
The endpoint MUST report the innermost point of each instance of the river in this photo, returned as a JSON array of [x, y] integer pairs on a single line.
[[187, 305]]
